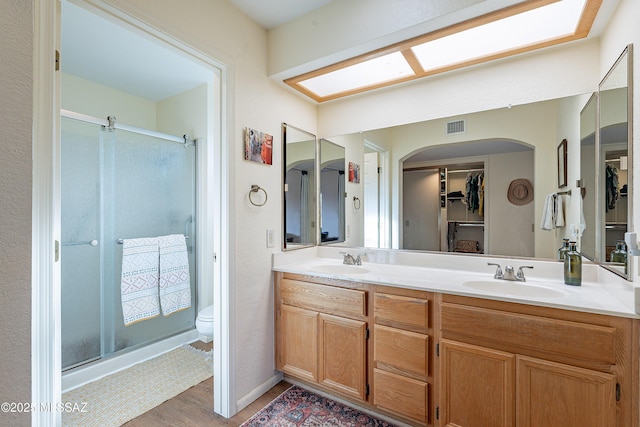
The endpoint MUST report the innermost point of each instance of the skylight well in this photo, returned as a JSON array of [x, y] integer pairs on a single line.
[[497, 35]]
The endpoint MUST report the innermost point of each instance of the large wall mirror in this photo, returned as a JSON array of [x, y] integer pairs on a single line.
[[332, 192], [513, 150], [300, 183], [508, 153], [614, 164]]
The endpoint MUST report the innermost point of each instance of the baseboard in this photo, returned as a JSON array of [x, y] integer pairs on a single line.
[[259, 391]]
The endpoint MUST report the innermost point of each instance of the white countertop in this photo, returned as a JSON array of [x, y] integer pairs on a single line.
[[601, 292]]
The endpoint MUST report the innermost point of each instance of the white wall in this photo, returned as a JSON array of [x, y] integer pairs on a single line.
[[512, 228], [86, 97], [16, 100]]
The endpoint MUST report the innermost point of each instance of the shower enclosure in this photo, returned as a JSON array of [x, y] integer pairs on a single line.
[[118, 184]]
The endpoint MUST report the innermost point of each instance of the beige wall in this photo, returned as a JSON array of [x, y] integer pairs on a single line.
[[86, 97], [16, 23]]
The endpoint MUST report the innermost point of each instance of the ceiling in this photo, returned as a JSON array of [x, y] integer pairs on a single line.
[[271, 13], [97, 49]]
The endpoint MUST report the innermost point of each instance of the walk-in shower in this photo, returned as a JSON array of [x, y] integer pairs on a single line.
[[118, 182]]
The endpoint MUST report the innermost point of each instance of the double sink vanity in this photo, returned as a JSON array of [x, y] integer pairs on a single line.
[[436, 340]]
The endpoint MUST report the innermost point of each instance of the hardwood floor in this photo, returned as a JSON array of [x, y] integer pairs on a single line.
[[194, 407]]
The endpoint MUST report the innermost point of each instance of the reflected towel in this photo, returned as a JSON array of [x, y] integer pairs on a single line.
[[547, 221], [139, 281], [558, 211], [175, 282]]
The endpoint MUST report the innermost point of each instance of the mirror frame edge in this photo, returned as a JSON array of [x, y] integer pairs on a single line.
[[316, 235], [628, 50]]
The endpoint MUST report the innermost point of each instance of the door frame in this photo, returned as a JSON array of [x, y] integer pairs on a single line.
[[45, 239]]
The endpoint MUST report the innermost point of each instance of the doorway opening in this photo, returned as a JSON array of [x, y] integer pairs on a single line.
[[96, 80]]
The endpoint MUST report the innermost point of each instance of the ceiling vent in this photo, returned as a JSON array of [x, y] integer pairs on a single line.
[[456, 127]]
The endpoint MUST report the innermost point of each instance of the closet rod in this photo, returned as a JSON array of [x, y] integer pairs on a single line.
[[465, 170]]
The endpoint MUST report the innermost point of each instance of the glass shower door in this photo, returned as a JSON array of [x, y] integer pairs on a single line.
[[149, 191], [80, 256], [118, 185]]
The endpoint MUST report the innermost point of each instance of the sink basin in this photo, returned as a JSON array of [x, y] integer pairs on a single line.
[[521, 289], [340, 269]]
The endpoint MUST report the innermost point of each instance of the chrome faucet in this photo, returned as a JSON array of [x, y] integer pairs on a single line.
[[508, 273], [350, 260]]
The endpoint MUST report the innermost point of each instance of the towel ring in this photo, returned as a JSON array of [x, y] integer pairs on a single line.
[[356, 203], [254, 189]]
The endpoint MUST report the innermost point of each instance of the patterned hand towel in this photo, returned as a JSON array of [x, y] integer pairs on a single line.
[[175, 283], [139, 283]]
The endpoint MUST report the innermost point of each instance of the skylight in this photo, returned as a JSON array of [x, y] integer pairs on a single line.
[[375, 71], [500, 34], [545, 23]]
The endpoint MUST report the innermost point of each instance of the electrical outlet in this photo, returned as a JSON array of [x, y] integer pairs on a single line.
[[270, 237]]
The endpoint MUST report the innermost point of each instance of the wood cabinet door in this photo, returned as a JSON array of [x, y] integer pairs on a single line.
[[553, 394], [478, 386], [343, 355], [298, 342]]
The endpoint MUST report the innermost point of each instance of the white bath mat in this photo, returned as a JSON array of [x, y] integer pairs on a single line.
[[120, 397]]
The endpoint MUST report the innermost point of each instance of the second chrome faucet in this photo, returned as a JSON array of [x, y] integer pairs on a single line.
[[508, 272], [349, 259]]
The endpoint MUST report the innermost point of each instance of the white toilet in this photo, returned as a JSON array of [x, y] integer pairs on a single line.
[[204, 324]]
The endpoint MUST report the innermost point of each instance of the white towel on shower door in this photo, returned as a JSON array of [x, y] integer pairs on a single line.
[[139, 280], [175, 282]]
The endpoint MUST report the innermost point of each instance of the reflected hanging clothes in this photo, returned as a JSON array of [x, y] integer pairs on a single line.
[[481, 194], [472, 199], [611, 188]]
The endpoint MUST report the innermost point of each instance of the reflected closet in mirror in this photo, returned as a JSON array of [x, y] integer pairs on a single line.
[[332, 192], [299, 179], [614, 164]]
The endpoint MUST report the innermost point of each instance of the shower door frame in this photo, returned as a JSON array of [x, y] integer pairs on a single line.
[[213, 235]]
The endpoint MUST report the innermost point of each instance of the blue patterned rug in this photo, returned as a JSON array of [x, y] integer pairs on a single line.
[[299, 407]]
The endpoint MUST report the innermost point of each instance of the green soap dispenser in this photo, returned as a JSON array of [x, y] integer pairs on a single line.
[[619, 255], [573, 266]]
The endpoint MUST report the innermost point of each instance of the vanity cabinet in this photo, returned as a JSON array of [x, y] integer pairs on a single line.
[[506, 364], [321, 334], [433, 359], [401, 344]]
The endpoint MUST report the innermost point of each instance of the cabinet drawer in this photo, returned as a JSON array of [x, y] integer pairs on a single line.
[[401, 351], [323, 298], [527, 334], [401, 312], [401, 395]]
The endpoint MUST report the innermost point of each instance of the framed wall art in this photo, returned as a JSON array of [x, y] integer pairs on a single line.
[[258, 146], [562, 164]]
